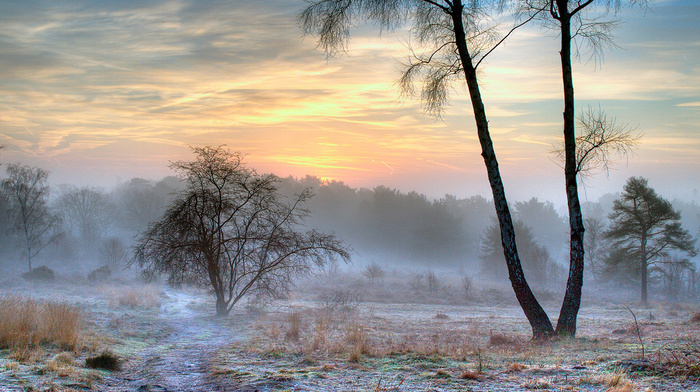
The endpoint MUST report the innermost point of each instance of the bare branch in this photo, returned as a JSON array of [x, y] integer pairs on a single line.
[[506, 36], [232, 231], [601, 139]]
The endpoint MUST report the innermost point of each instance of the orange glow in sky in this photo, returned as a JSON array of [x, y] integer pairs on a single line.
[[104, 91]]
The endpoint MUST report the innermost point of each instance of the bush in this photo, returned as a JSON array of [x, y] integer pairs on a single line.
[[42, 273], [106, 361], [99, 275], [342, 300]]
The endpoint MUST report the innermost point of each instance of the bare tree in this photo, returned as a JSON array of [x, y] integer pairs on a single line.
[[142, 201], [594, 244], [28, 192], [576, 22], [676, 273], [86, 210], [433, 281], [455, 43], [231, 230], [113, 252], [374, 271]]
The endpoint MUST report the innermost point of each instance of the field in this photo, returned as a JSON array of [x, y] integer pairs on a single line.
[[166, 339]]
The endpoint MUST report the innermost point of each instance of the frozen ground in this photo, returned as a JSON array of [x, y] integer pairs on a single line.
[[170, 341]]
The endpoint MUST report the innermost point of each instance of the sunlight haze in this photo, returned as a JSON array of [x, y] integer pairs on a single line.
[[99, 92]]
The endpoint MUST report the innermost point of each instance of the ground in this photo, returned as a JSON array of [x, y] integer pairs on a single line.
[[169, 339]]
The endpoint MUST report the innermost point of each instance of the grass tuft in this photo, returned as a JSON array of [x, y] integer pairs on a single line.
[[471, 375], [106, 361], [515, 367], [27, 324]]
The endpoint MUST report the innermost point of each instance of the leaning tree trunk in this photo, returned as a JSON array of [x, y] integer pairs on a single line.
[[572, 298], [539, 321]]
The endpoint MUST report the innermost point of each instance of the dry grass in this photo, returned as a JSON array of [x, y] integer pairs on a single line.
[[515, 367], [502, 340], [539, 383], [616, 381], [319, 332], [26, 325], [471, 375], [294, 331], [135, 297], [357, 339]]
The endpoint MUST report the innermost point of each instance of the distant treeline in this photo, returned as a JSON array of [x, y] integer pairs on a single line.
[[382, 225]]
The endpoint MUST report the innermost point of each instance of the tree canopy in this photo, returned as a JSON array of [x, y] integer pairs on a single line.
[[231, 230], [644, 229]]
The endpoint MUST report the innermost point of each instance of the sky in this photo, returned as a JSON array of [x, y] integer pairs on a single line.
[[100, 91]]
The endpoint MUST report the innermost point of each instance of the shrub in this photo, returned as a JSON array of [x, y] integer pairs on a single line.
[[99, 275], [42, 273], [106, 361], [342, 300]]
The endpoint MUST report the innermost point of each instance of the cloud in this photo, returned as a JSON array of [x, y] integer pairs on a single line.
[[107, 81]]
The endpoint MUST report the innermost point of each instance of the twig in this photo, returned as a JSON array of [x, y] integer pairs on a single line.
[[639, 333]]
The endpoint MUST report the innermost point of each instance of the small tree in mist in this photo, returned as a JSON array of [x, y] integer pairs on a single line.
[[595, 245], [677, 276], [467, 286], [231, 230], [86, 211], [433, 281], [27, 190], [113, 252], [537, 263], [643, 229], [374, 271], [142, 201]]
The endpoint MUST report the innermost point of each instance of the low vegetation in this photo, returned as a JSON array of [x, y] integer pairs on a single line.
[[28, 324], [107, 361]]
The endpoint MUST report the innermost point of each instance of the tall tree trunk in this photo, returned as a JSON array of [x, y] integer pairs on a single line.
[[539, 321], [27, 237], [568, 314], [221, 305], [644, 270]]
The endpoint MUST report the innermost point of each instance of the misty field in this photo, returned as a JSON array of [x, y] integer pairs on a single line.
[[339, 337]]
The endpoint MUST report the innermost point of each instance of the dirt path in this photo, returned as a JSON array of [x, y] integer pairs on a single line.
[[185, 354]]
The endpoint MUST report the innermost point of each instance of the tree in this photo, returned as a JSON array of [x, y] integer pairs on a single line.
[[571, 19], [645, 227], [28, 192], [537, 262], [231, 230], [374, 271], [676, 273], [113, 252], [595, 246], [142, 201], [86, 210], [456, 43], [547, 226]]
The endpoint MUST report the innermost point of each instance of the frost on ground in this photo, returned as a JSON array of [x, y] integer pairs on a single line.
[[169, 340]]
